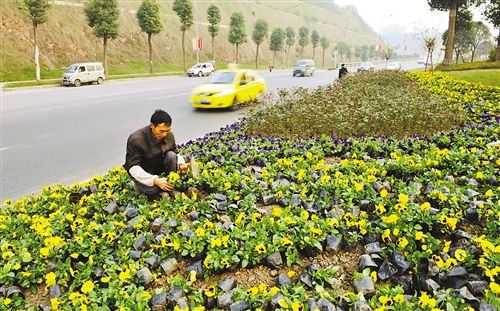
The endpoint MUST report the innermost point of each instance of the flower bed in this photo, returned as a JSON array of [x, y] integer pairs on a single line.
[[425, 209]]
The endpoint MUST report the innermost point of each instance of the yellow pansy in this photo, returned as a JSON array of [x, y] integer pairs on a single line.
[[260, 248], [425, 207], [50, 279], [87, 287], [390, 219], [124, 276], [383, 193]]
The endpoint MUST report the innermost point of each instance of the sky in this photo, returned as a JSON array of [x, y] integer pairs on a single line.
[[411, 15]]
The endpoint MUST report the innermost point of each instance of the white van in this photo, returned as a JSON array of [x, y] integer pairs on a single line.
[[77, 74]]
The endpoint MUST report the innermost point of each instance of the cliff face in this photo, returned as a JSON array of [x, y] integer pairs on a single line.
[[66, 38]]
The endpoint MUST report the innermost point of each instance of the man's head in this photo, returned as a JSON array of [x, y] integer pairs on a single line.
[[161, 123], [343, 65]]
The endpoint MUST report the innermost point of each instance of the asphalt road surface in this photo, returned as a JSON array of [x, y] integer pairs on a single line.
[[67, 134]]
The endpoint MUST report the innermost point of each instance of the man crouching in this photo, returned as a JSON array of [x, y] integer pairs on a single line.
[[151, 151]]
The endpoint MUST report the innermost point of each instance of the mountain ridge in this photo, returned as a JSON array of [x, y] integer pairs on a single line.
[[66, 38]]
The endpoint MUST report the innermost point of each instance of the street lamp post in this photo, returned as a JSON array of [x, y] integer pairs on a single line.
[[196, 32]]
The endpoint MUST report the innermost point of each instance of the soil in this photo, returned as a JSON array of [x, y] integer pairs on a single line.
[[40, 298], [346, 261], [471, 228]]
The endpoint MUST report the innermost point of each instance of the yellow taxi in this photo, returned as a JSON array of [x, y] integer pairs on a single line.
[[228, 89]]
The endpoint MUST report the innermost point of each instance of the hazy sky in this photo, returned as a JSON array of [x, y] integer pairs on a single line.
[[410, 14]]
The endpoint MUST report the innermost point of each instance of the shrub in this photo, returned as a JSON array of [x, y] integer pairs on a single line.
[[381, 103], [492, 55], [470, 66]]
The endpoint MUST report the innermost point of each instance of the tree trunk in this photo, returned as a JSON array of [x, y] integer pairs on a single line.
[[472, 52], [150, 55], [236, 53], [287, 51], [450, 40], [314, 51], [323, 58], [37, 63], [105, 45], [257, 56], [183, 53], [213, 56], [274, 59], [497, 57]]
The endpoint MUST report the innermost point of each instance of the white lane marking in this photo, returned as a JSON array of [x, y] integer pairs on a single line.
[[169, 96], [117, 94]]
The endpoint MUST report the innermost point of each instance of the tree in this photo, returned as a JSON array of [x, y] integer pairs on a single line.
[[388, 51], [102, 16], [463, 27], [452, 6], [325, 44], [303, 38], [213, 16], [314, 41], [184, 11], [290, 40], [258, 36], [148, 17], [237, 33], [357, 52], [348, 53], [479, 34], [430, 44], [342, 49], [491, 11], [372, 52], [276, 41], [36, 10], [462, 42], [364, 52]]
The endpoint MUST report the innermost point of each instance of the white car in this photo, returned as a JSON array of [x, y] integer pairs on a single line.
[[421, 61], [365, 66], [201, 69], [393, 66]]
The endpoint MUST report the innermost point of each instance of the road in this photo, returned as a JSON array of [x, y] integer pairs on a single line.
[[67, 134]]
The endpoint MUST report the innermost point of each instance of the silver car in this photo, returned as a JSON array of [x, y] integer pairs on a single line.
[[201, 69]]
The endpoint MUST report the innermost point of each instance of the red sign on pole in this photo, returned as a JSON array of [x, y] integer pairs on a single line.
[[200, 43]]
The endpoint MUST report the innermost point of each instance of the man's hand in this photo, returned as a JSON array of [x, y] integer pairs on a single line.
[[163, 184], [183, 168]]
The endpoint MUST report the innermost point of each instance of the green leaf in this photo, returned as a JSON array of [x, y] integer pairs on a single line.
[[318, 245]]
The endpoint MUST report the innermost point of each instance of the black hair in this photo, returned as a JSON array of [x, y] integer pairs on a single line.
[[343, 65], [160, 116]]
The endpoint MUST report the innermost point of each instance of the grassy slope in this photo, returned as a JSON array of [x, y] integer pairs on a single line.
[[66, 38]]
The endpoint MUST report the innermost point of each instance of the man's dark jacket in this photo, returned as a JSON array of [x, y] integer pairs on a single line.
[[145, 150]]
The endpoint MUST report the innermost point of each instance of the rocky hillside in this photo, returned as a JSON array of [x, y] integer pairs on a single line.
[[66, 38]]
